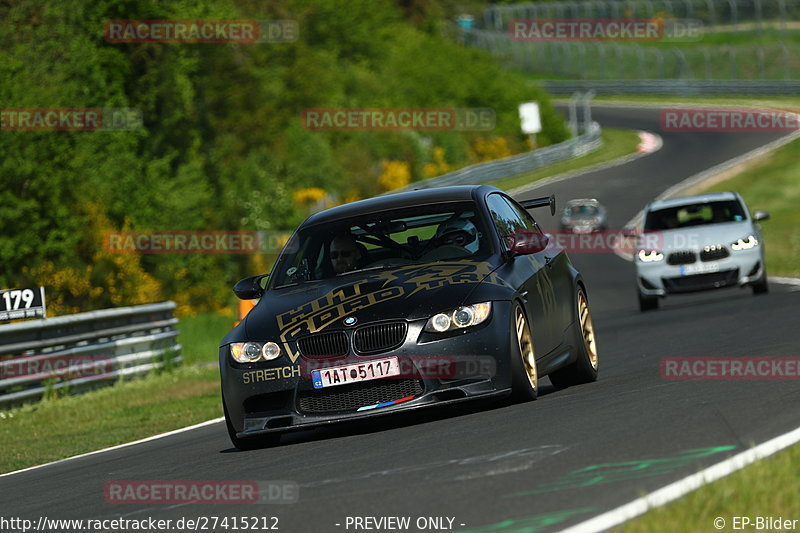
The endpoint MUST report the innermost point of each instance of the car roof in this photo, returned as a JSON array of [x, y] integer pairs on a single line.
[[583, 201], [695, 199], [400, 200]]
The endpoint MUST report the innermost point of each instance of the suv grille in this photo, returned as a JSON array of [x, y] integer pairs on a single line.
[[351, 397], [379, 337], [681, 258], [333, 343], [712, 253], [699, 282]]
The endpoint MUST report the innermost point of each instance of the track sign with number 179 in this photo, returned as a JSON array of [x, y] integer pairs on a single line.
[[22, 303]]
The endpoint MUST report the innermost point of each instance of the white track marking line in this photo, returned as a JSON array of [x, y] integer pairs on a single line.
[[118, 446], [675, 490]]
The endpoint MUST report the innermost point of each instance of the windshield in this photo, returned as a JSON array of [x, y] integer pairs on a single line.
[[581, 211], [417, 235], [695, 215]]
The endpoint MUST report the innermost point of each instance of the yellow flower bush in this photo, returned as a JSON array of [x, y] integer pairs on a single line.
[[394, 175], [489, 149], [439, 165]]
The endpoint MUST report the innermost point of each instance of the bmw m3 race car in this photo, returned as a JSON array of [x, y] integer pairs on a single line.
[[404, 301]]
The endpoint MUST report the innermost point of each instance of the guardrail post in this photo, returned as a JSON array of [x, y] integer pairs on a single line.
[[573, 114], [760, 56]]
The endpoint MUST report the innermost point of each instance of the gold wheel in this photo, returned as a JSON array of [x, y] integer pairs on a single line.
[[587, 329], [525, 342]]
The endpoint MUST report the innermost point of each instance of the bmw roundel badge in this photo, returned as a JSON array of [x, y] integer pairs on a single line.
[[350, 321]]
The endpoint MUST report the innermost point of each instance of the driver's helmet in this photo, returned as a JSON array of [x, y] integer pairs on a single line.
[[458, 232]]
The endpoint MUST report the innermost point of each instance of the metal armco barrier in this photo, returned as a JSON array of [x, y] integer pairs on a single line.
[[515, 164], [85, 350], [674, 87]]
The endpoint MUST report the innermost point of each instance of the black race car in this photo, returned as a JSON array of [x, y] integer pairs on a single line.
[[404, 301]]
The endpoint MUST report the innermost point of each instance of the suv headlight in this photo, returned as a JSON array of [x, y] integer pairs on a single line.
[[649, 256], [745, 244], [250, 352], [463, 317]]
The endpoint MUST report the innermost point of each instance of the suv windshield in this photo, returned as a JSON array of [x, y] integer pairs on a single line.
[[416, 235], [683, 216]]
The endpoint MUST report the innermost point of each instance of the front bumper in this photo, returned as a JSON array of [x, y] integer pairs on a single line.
[[279, 396], [737, 270]]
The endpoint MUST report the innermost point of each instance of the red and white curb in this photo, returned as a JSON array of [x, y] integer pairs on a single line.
[[649, 142]]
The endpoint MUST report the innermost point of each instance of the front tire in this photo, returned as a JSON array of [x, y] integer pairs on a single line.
[[647, 303], [524, 374], [761, 286], [584, 369]]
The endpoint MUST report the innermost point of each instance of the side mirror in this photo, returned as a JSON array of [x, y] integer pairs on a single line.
[[527, 242], [249, 288], [760, 215]]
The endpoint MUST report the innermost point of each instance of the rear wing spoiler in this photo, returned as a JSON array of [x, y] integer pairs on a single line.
[[541, 202]]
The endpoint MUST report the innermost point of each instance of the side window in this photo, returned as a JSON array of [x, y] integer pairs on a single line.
[[530, 223], [504, 217]]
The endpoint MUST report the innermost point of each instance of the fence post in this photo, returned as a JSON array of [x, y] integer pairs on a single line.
[[760, 55]]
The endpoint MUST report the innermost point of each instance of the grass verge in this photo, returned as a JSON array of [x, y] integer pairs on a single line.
[[616, 143], [767, 488], [776, 102], [773, 184], [130, 410]]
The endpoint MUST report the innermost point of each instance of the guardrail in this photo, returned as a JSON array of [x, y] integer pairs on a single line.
[[674, 87], [515, 164], [726, 13], [85, 350]]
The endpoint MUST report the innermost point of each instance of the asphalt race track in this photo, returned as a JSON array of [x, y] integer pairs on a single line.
[[539, 466]]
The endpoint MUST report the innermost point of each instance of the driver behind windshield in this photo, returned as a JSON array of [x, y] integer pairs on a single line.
[[457, 232], [345, 253]]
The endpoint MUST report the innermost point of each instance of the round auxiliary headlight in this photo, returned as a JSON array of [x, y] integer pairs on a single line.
[[271, 351], [252, 351], [440, 322], [463, 317]]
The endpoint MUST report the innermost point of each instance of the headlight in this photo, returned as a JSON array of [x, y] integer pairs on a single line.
[[463, 317], [745, 244], [649, 256], [250, 352]]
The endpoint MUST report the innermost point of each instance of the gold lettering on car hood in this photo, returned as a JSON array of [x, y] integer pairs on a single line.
[[318, 314]]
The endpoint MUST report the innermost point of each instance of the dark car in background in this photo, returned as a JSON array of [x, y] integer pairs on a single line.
[[400, 302]]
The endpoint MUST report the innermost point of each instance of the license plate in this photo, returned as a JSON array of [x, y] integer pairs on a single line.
[[687, 270], [345, 374]]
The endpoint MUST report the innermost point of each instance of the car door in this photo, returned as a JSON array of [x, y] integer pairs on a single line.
[[557, 274], [528, 273]]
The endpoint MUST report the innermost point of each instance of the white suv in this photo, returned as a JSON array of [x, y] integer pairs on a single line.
[[697, 243]]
